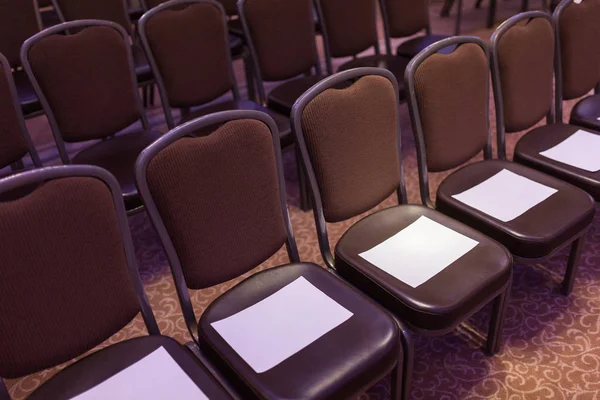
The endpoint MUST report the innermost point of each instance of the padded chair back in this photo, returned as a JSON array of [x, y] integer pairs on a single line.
[[579, 34], [448, 101], [19, 19], [85, 81], [68, 279], [189, 51], [281, 35], [523, 62], [217, 201], [406, 17], [105, 10], [15, 142]]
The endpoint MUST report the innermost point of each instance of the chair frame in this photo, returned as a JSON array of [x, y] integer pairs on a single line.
[[556, 110], [156, 71], [49, 173], [260, 83], [64, 28], [61, 15], [35, 158], [167, 139]]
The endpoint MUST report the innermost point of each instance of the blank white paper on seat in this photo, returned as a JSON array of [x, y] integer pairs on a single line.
[[580, 150], [506, 195], [419, 252], [155, 377], [277, 327]]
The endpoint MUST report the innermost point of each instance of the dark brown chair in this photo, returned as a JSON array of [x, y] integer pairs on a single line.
[[449, 106], [19, 20], [15, 142], [114, 11], [79, 287], [86, 83], [578, 32], [281, 38], [523, 65], [349, 27], [350, 144], [218, 203]]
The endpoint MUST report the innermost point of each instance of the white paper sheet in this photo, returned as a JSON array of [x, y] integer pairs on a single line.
[[155, 377], [580, 150], [277, 327], [419, 252], [505, 195]]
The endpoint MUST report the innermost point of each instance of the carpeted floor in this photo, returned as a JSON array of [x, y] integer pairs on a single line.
[[551, 344]]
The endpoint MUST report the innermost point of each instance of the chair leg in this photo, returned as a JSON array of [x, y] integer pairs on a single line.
[[249, 78], [569, 280], [445, 11], [305, 203], [494, 339], [152, 92], [525, 5], [407, 364], [3, 391], [491, 14], [145, 96]]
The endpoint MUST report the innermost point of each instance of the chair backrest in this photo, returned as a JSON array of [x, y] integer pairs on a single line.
[[68, 277], [405, 17], [449, 105], [19, 19], [85, 81], [187, 45], [106, 10], [281, 36], [350, 144], [15, 141], [218, 202], [579, 34], [523, 61], [349, 27]]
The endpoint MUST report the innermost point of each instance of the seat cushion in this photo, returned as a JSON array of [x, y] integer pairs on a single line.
[[586, 113], [283, 96], [395, 64], [236, 45], [118, 154], [338, 365], [447, 298], [101, 365], [538, 232], [27, 97], [412, 47], [540, 139]]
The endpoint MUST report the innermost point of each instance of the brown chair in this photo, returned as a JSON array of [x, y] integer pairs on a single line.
[[404, 18], [350, 144], [218, 203], [578, 32], [115, 11], [15, 142], [86, 83], [449, 106], [349, 27], [19, 20], [523, 65], [79, 287], [281, 38]]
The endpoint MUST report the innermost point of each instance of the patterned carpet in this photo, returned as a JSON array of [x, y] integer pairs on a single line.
[[551, 343]]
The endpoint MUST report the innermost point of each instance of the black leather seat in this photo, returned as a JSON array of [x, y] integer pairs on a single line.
[[586, 113], [396, 65], [283, 97]]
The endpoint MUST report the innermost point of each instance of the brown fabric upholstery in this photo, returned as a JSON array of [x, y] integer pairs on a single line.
[[452, 96], [283, 36], [526, 65], [579, 37], [18, 21], [218, 196], [351, 25], [191, 51], [65, 286], [87, 80], [13, 146], [407, 17], [108, 10], [351, 136]]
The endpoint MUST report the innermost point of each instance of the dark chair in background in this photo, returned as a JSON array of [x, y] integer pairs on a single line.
[[214, 232], [449, 106], [86, 84], [78, 288], [578, 33]]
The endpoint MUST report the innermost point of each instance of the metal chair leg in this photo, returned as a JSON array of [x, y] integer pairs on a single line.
[[491, 14], [3, 391], [445, 11], [407, 364], [305, 203], [249, 77], [494, 339], [569, 280]]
